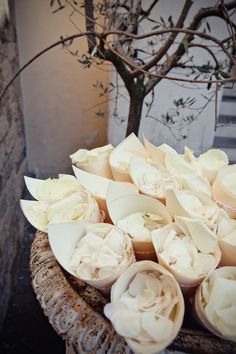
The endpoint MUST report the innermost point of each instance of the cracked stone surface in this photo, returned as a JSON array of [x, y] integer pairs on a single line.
[[26, 330]]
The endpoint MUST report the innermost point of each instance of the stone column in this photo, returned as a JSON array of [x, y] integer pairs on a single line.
[[12, 164]]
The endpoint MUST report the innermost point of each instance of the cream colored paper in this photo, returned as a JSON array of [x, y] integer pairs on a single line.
[[52, 188], [121, 155], [224, 189], [180, 248], [94, 161], [146, 307], [152, 181], [212, 162], [94, 257], [215, 302], [122, 207], [79, 206]]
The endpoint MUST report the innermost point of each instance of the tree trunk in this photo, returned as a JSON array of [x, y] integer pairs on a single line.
[[135, 109]]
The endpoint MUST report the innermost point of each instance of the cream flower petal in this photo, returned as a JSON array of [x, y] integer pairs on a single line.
[[78, 206], [204, 239], [121, 318], [211, 162], [158, 153], [194, 205], [95, 161], [153, 331], [160, 326], [188, 155], [121, 155], [52, 188], [150, 180]]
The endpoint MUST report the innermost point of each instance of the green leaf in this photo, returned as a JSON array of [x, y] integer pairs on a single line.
[[224, 75], [209, 84], [155, 27], [186, 44], [208, 27]]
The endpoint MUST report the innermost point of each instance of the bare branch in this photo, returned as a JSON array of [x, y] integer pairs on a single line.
[[163, 50], [195, 24], [89, 19], [147, 12], [45, 50], [207, 49]]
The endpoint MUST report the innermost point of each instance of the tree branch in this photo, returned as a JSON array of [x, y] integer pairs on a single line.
[[90, 24], [195, 24], [163, 50], [207, 49], [45, 50], [147, 12]]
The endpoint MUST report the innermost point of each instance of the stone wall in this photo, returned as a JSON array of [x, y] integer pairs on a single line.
[[12, 168]]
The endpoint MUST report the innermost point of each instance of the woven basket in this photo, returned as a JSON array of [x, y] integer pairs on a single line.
[[75, 311]]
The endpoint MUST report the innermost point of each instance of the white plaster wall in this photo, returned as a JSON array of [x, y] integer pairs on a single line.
[[201, 132], [57, 92]]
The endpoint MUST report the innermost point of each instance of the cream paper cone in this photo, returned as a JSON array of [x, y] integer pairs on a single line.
[[197, 184], [94, 184], [152, 181], [180, 203], [52, 189], [224, 189], [122, 207], [187, 278], [98, 166], [36, 213], [227, 242], [64, 238], [212, 162], [118, 190], [79, 206], [158, 153], [128, 323], [228, 250], [121, 155], [213, 297]]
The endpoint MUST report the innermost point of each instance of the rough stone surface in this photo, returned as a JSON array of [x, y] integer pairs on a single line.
[[12, 169], [26, 330]]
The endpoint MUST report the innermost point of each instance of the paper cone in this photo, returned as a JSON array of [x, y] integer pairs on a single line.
[[36, 213], [121, 155], [228, 250], [213, 299], [183, 203], [152, 181], [52, 188], [64, 239], [97, 166], [197, 184], [94, 184], [130, 204], [188, 279], [224, 190], [118, 190], [79, 206], [131, 324], [158, 153], [177, 166], [212, 162]]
